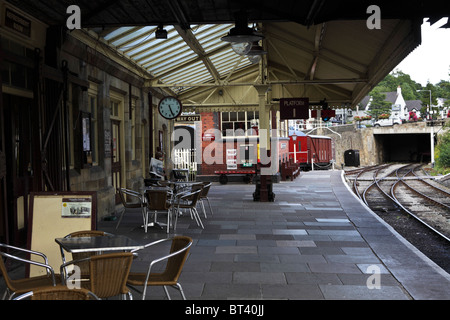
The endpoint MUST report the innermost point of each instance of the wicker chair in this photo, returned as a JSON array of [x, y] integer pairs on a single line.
[[188, 201], [140, 204], [157, 201], [169, 277], [108, 274], [58, 293], [19, 286], [84, 266]]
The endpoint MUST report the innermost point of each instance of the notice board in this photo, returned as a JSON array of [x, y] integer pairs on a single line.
[[55, 215]]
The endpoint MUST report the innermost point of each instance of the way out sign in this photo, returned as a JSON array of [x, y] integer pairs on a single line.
[[294, 108]]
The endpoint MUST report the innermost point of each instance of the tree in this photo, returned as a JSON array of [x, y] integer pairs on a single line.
[[379, 105], [411, 90], [443, 151]]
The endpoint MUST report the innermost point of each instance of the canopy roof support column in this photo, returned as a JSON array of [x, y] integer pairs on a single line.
[[263, 191]]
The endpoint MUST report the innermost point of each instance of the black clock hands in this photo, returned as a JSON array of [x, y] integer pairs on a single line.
[[170, 109]]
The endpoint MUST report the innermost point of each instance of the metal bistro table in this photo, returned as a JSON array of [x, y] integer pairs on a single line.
[[98, 244]]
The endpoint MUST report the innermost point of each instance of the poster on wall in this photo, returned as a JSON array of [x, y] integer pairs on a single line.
[[76, 208], [108, 143], [231, 159]]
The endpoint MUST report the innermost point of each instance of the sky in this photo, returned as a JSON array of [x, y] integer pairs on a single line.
[[429, 62]]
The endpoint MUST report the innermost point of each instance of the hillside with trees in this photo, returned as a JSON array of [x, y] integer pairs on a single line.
[[412, 90]]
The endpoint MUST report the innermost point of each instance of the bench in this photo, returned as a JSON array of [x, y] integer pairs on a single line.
[[289, 170], [223, 179]]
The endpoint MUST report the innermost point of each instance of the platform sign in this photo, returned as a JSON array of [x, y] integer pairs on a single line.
[[294, 108], [189, 118]]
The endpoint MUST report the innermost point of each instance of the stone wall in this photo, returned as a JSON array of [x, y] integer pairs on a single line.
[[351, 138], [110, 78]]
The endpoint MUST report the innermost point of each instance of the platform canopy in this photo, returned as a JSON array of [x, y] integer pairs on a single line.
[[317, 49]]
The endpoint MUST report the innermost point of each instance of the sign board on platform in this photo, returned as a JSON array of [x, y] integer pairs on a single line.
[[55, 215], [294, 108]]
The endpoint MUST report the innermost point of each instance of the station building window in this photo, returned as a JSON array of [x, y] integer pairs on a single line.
[[15, 74], [239, 123]]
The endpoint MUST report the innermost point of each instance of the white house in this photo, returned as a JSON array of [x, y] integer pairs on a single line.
[[400, 106]]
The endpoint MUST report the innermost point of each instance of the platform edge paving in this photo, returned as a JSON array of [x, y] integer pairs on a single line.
[[422, 278]]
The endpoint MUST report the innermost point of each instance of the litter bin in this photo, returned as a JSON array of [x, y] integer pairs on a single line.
[[351, 158]]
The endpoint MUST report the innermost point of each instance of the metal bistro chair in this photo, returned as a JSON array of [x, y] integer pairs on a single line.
[[108, 274], [132, 205], [157, 201], [188, 201], [58, 293], [19, 286], [169, 277]]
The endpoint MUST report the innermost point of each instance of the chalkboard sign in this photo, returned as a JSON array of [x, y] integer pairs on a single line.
[[55, 215]]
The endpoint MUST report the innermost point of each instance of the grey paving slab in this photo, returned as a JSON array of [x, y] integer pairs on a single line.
[[354, 292], [315, 241]]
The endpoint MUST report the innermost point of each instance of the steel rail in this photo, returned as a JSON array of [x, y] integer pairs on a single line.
[[407, 211], [444, 192], [374, 183]]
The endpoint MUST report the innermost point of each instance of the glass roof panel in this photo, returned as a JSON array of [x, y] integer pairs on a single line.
[[117, 32], [172, 59]]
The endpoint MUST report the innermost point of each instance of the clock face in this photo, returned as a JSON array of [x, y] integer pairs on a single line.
[[169, 107]]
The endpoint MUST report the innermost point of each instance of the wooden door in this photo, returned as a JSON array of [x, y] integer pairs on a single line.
[[19, 163]]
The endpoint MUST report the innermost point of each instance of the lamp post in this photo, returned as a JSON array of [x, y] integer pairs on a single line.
[[294, 139], [431, 133]]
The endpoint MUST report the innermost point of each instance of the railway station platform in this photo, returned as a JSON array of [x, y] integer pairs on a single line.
[[315, 241]]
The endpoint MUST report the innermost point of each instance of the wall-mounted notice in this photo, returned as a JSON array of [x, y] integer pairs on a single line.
[[231, 159], [76, 207], [55, 215]]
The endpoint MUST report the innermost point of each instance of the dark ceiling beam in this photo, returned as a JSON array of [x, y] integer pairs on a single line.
[[101, 8], [178, 13], [313, 12], [111, 13]]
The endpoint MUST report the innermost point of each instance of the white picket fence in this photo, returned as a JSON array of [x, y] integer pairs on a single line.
[[185, 159]]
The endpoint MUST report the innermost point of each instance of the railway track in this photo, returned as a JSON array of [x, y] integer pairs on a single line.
[[424, 201], [411, 202], [394, 192], [398, 187]]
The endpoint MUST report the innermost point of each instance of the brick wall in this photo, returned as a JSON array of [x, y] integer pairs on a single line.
[[214, 153]]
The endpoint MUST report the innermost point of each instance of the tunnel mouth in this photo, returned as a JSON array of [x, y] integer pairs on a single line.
[[414, 147]]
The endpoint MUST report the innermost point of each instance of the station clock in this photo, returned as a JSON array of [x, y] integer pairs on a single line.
[[169, 107]]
